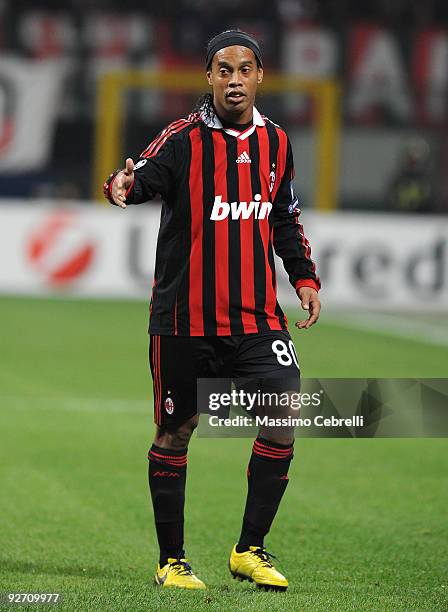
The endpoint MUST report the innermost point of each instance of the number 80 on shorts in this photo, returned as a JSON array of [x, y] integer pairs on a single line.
[[285, 353]]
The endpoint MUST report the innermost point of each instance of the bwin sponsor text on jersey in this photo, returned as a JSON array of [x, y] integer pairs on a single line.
[[240, 210]]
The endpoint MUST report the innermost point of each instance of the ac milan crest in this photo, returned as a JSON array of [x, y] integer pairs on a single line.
[[169, 405]]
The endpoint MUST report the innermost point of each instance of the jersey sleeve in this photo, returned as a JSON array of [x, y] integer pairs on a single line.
[[154, 172], [290, 242]]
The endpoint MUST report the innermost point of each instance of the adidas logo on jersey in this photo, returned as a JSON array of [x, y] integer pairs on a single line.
[[243, 158], [235, 210]]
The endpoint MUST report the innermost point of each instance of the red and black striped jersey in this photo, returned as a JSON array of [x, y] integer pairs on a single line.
[[227, 203]]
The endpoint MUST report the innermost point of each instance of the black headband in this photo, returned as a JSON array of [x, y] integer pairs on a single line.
[[229, 38]]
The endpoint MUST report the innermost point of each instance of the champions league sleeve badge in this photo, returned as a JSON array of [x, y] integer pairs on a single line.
[[294, 207]]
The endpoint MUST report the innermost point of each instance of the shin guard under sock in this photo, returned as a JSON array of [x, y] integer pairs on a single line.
[[167, 475], [267, 478]]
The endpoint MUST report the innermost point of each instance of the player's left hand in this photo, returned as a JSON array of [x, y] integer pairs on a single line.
[[310, 301]]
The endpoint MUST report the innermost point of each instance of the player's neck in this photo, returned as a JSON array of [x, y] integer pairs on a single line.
[[235, 126], [236, 119]]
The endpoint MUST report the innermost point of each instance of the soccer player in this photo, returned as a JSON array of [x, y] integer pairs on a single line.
[[224, 173]]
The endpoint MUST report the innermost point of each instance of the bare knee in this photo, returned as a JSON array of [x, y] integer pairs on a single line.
[[284, 435], [176, 438]]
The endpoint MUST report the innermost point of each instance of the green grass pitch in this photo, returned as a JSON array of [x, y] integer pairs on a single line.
[[362, 525]]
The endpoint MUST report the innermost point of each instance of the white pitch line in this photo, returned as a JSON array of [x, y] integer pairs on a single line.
[[77, 404], [393, 326]]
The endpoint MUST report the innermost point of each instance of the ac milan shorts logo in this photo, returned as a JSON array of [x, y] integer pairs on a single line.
[[169, 405]]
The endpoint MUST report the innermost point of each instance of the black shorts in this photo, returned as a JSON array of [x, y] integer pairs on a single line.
[[178, 361]]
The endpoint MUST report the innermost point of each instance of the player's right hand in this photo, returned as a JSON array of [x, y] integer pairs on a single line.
[[122, 182]]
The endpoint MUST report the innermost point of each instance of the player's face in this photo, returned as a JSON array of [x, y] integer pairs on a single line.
[[234, 76]]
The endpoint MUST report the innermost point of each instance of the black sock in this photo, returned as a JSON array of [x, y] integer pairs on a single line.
[[267, 478], [167, 475]]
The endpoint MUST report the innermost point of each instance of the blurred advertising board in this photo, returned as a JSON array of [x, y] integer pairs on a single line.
[[29, 103], [364, 260]]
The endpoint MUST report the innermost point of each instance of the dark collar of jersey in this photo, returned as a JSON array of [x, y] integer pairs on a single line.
[[235, 126]]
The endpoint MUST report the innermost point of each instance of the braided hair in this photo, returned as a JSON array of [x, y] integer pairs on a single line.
[[203, 111], [204, 106]]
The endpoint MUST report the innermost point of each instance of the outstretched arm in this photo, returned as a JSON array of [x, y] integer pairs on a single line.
[[120, 184], [136, 183]]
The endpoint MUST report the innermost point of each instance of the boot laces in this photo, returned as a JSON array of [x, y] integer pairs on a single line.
[[182, 567], [264, 556]]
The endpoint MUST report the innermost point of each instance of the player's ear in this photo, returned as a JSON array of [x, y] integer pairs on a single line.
[[209, 77], [260, 75]]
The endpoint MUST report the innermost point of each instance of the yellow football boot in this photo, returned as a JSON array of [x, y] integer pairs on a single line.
[[177, 573], [255, 565]]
